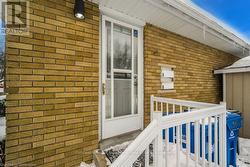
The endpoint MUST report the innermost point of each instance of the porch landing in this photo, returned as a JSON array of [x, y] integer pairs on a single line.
[[107, 143]]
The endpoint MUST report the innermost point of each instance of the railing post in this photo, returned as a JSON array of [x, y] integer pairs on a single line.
[[158, 142], [160, 153], [158, 150], [224, 135], [147, 157], [151, 107], [154, 114], [216, 160], [157, 115]]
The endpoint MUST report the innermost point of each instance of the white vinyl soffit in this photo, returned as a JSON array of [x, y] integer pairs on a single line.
[[192, 13], [181, 18], [191, 9]]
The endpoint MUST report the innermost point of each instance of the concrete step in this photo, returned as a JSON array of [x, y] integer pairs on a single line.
[[113, 141], [99, 156]]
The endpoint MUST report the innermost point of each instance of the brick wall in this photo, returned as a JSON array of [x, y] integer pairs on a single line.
[[194, 78], [52, 81]]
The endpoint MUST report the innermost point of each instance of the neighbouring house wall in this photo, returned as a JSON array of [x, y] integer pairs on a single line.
[[238, 98], [52, 85], [195, 62]]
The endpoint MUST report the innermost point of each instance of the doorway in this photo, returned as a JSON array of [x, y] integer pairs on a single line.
[[122, 78]]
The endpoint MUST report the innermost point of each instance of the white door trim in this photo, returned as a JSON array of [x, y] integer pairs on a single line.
[[105, 11], [140, 74]]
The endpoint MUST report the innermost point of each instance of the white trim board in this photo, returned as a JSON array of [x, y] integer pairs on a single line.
[[121, 16], [207, 19], [228, 71], [100, 84]]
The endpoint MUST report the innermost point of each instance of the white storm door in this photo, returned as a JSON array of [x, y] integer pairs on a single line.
[[121, 83]]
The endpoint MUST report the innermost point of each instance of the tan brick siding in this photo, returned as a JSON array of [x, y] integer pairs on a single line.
[[52, 81], [195, 62]]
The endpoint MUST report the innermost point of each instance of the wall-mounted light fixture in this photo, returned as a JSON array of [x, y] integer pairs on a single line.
[[79, 9]]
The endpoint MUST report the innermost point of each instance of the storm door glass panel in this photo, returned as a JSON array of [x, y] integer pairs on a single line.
[[135, 69], [122, 94], [122, 47], [108, 65], [122, 58]]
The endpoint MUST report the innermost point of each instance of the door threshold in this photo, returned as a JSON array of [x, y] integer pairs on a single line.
[[106, 143]]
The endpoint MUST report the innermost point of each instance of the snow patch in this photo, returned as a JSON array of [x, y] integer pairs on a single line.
[[244, 62], [83, 164], [2, 128], [113, 152], [244, 153], [244, 147]]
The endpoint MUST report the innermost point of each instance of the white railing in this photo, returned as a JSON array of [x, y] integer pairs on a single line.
[[183, 123]]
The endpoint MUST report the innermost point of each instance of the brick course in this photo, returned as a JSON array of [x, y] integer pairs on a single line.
[[52, 81], [195, 62]]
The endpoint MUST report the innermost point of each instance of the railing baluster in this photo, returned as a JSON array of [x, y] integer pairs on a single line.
[[178, 146], [161, 109], [173, 108], [197, 136], [152, 106], [210, 142], [181, 128], [155, 152], [167, 139], [220, 142], [167, 146], [224, 140], [167, 109], [188, 134], [173, 112], [147, 157], [216, 141], [160, 149], [203, 147]]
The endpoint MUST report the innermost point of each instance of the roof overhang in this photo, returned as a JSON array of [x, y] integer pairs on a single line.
[[183, 18], [233, 70]]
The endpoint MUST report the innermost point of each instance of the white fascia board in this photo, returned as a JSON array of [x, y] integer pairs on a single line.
[[228, 71], [213, 23], [199, 25], [121, 16]]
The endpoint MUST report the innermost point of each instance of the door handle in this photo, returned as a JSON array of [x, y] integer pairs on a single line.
[[103, 89]]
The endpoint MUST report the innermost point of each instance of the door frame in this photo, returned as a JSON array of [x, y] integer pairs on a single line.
[[102, 76]]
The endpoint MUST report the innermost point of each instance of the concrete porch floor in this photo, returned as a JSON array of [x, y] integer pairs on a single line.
[[104, 144]]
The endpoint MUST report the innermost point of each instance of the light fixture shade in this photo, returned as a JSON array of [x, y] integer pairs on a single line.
[[79, 9]]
